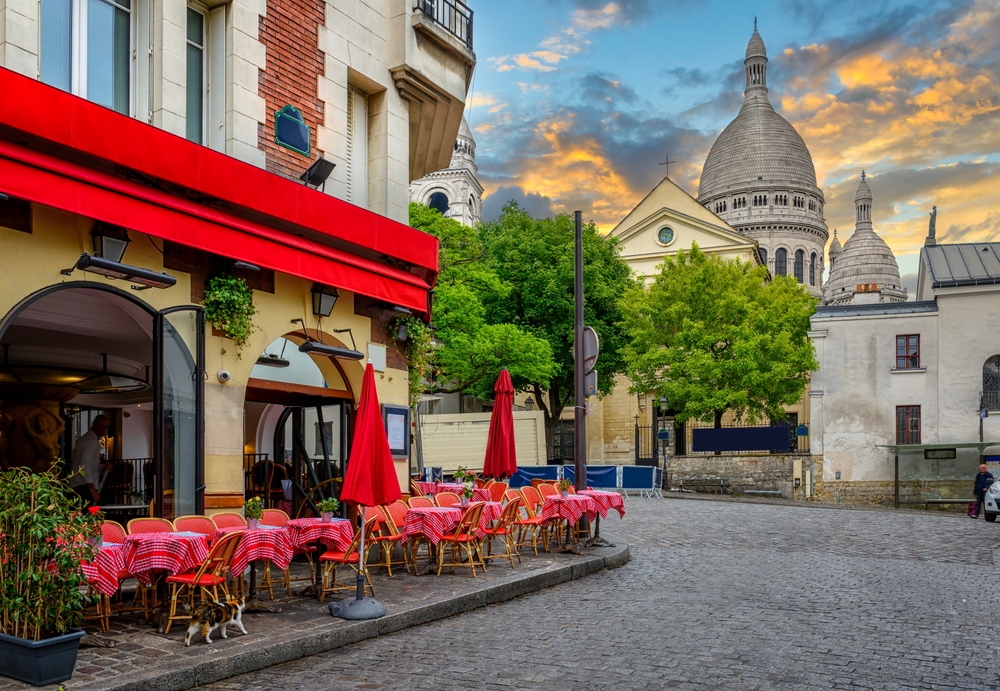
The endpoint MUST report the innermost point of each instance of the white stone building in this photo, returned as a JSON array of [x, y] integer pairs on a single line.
[[760, 179], [454, 191], [895, 372]]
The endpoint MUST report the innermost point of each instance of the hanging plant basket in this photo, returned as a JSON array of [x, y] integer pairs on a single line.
[[229, 308]]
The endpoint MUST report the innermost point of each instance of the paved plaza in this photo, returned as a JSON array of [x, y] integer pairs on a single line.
[[718, 595]]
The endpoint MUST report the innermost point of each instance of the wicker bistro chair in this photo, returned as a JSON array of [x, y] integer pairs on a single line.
[[196, 524], [150, 525], [331, 559], [113, 532], [447, 499], [510, 495], [415, 489], [210, 576], [421, 503], [275, 517], [497, 490], [532, 522], [464, 535], [547, 490], [229, 519], [389, 535], [504, 529]]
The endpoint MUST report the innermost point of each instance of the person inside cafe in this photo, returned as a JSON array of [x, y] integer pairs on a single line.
[[85, 473]]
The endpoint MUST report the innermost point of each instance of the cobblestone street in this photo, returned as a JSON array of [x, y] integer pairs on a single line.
[[718, 595]]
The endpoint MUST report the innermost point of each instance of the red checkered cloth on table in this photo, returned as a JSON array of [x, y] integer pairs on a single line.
[[569, 508], [492, 510], [606, 501], [338, 533], [425, 487], [430, 522], [102, 573], [271, 544], [478, 493], [145, 552]]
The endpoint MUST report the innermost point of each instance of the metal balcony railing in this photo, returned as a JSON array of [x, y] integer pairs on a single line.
[[989, 400], [451, 15]]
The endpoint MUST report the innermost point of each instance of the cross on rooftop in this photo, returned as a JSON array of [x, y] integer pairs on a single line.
[[667, 163]]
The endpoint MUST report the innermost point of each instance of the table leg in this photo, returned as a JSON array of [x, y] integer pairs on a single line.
[[597, 540], [567, 547], [254, 604]]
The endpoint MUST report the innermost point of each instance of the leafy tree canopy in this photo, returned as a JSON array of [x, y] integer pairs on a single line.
[[715, 335], [471, 350], [535, 259]]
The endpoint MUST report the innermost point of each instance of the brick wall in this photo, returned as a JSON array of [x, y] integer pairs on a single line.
[[290, 34], [382, 331], [741, 472], [202, 266]]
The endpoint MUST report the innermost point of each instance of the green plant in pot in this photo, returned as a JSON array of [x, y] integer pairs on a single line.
[[254, 511], [229, 308], [468, 490], [564, 486], [328, 507], [44, 536]]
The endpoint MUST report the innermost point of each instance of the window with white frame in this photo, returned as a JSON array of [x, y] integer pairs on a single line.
[[197, 32], [357, 148], [86, 48]]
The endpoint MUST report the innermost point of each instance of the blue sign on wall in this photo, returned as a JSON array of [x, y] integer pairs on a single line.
[[291, 131]]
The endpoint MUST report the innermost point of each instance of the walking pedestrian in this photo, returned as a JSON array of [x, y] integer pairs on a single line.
[[983, 481]]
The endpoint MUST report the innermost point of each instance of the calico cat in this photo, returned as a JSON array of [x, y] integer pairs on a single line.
[[210, 616]]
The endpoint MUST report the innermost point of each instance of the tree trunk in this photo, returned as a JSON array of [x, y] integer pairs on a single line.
[[718, 419]]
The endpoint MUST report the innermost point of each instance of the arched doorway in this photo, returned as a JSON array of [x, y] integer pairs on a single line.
[[298, 427], [78, 349]]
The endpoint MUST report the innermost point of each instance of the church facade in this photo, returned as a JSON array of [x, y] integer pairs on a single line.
[[455, 191]]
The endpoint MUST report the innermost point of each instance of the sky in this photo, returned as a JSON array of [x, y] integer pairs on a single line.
[[575, 102]]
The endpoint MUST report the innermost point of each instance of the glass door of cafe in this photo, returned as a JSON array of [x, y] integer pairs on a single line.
[[179, 421]]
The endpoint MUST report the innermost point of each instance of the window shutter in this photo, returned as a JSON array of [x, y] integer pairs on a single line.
[[357, 148]]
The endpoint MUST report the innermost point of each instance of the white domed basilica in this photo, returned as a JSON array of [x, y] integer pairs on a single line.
[[454, 191], [759, 177]]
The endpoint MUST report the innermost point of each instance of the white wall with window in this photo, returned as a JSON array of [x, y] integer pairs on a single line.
[[357, 147]]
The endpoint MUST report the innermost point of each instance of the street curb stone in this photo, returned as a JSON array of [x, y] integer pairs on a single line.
[[291, 644]]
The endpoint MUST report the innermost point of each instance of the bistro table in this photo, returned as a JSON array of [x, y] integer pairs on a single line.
[[478, 493], [265, 543], [432, 523], [570, 509], [144, 553], [605, 502], [102, 573], [336, 533]]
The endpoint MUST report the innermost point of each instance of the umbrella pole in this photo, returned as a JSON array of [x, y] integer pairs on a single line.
[[361, 559]]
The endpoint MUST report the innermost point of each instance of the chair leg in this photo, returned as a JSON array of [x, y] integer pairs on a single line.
[[440, 558], [173, 608]]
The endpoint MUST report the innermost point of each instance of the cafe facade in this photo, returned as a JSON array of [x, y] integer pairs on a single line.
[[270, 144]]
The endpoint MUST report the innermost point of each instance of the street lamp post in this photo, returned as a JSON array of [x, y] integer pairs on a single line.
[[663, 435]]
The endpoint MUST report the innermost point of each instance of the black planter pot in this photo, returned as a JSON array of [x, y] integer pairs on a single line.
[[39, 662]]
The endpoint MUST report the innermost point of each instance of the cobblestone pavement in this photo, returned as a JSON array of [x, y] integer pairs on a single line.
[[718, 595]]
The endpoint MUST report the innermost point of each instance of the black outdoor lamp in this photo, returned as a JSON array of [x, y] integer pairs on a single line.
[[664, 404], [318, 172], [110, 241], [324, 298], [529, 403]]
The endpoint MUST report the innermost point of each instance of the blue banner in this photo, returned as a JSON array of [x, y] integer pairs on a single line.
[[524, 475], [741, 439]]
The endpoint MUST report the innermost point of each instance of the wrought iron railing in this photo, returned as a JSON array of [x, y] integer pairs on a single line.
[[647, 447], [451, 15], [130, 481], [989, 400]]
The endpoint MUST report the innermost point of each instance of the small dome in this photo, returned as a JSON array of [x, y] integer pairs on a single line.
[[755, 48], [864, 191], [464, 130], [834, 245]]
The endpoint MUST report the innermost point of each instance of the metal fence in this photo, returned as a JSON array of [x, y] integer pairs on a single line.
[[648, 449], [796, 443], [452, 15], [130, 481]]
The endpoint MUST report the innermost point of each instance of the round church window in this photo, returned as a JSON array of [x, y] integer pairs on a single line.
[[439, 201], [665, 235]]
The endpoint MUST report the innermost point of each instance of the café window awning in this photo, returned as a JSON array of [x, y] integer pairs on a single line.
[[66, 152]]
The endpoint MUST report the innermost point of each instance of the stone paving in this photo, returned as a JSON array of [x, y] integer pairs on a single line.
[[718, 595]]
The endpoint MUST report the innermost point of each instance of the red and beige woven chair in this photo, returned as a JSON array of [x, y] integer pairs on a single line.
[[464, 536], [206, 579], [547, 490], [196, 524], [113, 532], [389, 534], [415, 490], [332, 558], [229, 519], [510, 495], [532, 521], [504, 530], [275, 517], [497, 490], [150, 525], [447, 499], [422, 503]]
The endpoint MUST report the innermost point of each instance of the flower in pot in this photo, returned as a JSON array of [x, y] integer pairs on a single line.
[[96, 539], [467, 493], [461, 474], [327, 508], [254, 511], [44, 537], [564, 486]]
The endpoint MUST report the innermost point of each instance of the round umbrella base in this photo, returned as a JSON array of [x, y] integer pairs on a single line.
[[353, 608]]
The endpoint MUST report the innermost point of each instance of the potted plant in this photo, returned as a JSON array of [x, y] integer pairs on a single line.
[[461, 475], [467, 493], [43, 540], [327, 507], [96, 539], [254, 511], [564, 486]]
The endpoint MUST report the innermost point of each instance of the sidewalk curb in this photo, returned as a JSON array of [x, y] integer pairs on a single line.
[[806, 504], [290, 644]]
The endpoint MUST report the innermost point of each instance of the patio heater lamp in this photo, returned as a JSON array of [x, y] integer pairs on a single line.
[[324, 299]]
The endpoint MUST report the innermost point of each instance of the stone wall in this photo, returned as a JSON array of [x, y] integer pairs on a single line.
[[742, 473]]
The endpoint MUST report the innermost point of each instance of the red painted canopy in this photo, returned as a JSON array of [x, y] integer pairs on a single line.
[[501, 456], [371, 476]]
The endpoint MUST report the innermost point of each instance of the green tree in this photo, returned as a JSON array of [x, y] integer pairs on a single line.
[[535, 258], [470, 350], [715, 335]]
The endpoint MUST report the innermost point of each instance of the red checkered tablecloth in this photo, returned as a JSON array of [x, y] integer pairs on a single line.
[[146, 552], [271, 544], [425, 487], [491, 512], [478, 494], [430, 522], [338, 533], [102, 573], [569, 508], [606, 501]]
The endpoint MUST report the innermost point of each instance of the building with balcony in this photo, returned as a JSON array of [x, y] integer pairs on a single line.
[[150, 150]]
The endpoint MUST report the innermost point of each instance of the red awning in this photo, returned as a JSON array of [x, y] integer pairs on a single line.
[[66, 152]]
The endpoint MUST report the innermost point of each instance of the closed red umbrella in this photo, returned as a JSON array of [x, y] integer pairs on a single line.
[[370, 481], [501, 456]]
